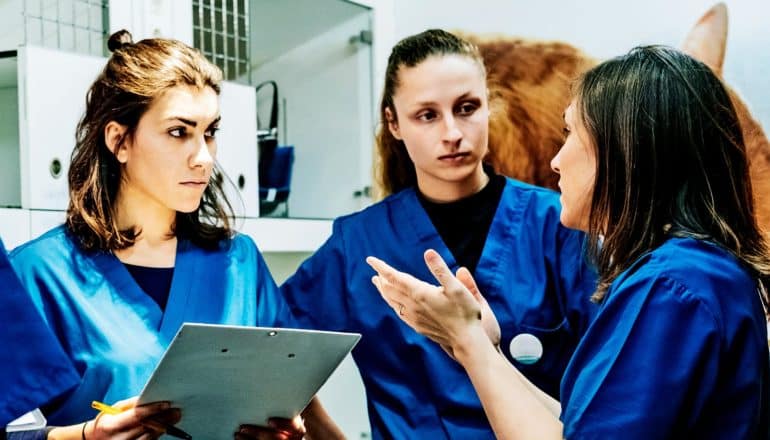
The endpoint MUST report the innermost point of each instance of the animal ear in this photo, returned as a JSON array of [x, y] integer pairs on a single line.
[[708, 38]]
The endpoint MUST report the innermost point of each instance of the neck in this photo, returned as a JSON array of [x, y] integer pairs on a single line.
[[442, 191], [156, 244]]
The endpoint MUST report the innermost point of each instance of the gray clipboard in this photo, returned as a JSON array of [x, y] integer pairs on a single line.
[[224, 376]]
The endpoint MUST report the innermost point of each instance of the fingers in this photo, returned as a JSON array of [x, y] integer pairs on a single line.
[[147, 410], [400, 281], [136, 421], [465, 277], [282, 429], [440, 270], [396, 288], [158, 423]]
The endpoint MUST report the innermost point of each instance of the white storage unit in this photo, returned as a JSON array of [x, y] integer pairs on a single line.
[[237, 147], [320, 55]]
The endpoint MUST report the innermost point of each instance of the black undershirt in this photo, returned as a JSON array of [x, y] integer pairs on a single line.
[[463, 225], [154, 281]]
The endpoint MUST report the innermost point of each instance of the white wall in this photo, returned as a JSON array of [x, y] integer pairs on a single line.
[[606, 28], [11, 25]]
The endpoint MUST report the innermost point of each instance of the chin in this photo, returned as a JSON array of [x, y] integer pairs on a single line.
[[188, 207], [566, 220]]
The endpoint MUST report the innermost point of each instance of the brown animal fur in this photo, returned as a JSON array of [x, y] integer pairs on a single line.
[[529, 83]]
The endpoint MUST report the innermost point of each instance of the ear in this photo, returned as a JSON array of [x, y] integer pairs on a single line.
[[392, 123], [708, 38], [115, 139]]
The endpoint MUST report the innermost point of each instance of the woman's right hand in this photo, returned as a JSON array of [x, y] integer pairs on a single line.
[[134, 422], [451, 314], [488, 318]]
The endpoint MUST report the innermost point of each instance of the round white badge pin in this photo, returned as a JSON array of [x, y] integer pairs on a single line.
[[526, 348]]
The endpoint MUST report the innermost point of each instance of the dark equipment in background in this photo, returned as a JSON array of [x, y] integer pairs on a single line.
[[275, 163]]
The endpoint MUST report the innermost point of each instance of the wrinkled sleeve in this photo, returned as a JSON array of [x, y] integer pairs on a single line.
[[317, 292], [34, 368], [652, 351]]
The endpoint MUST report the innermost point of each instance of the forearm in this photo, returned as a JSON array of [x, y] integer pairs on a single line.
[[516, 409], [319, 424]]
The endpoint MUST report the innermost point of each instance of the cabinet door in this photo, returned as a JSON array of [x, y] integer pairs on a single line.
[[325, 87], [237, 147], [52, 91]]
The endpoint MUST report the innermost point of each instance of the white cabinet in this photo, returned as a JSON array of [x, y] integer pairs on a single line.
[[42, 97], [52, 88], [319, 53], [237, 147]]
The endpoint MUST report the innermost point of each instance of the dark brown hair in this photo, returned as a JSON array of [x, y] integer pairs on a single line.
[[394, 169], [671, 161], [135, 75]]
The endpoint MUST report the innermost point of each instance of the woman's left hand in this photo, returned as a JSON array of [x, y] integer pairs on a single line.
[[447, 313], [280, 429]]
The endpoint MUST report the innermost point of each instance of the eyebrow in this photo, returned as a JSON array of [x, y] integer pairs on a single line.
[[191, 122], [465, 95]]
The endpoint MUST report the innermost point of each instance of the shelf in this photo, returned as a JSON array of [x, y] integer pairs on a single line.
[[286, 234]]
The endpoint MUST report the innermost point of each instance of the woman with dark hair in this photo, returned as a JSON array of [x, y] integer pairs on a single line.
[[654, 169], [147, 242], [434, 119]]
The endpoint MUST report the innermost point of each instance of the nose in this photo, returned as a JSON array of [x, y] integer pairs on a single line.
[[203, 155], [452, 133], [555, 163]]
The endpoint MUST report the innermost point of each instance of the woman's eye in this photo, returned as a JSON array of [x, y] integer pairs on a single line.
[[467, 109], [426, 116], [177, 132], [211, 133]]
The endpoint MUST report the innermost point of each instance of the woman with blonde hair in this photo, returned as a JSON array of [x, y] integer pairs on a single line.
[[434, 124]]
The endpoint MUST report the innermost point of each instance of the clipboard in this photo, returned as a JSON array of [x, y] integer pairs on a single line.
[[224, 376]]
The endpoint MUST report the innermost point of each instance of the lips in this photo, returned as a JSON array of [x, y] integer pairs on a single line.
[[454, 157], [194, 183]]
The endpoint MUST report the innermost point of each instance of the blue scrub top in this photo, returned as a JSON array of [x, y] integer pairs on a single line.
[[33, 367], [531, 271], [677, 350], [113, 332]]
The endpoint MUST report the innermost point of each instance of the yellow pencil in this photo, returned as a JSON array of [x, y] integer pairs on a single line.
[[103, 407]]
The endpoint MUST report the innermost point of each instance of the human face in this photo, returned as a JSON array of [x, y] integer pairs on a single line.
[[576, 165], [168, 161], [442, 116]]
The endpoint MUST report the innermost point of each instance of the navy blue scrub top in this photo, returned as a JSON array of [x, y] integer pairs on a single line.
[[531, 271], [677, 350]]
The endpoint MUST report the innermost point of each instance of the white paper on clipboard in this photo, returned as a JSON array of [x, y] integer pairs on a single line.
[[224, 376]]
